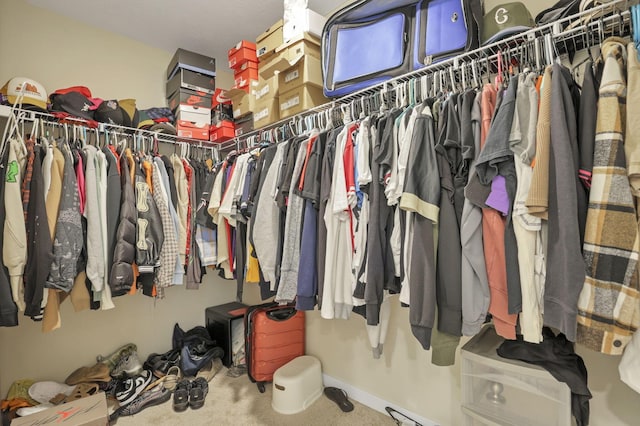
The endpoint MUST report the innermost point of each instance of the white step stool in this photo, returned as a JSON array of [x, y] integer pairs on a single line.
[[297, 385]]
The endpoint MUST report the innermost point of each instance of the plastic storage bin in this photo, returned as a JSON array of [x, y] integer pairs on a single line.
[[499, 391], [297, 385]]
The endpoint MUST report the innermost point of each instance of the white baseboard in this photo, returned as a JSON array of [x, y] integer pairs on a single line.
[[373, 401]]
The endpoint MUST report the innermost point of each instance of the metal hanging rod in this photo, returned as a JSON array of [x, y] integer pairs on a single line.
[[544, 43], [106, 128]]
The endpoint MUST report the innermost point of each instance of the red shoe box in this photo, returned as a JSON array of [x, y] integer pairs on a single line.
[[245, 74], [245, 51], [223, 131]]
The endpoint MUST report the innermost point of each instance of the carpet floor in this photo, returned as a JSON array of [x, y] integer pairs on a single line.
[[237, 401]]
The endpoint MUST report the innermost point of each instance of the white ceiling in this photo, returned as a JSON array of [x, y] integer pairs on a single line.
[[209, 27]]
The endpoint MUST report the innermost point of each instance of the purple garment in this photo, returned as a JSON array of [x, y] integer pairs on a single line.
[[307, 271], [499, 198]]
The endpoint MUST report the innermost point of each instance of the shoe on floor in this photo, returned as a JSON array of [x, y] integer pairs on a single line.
[[112, 360], [25, 411], [161, 363], [210, 370], [129, 389], [181, 395], [96, 373], [198, 392], [154, 396], [129, 365], [43, 392], [339, 396], [82, 390]]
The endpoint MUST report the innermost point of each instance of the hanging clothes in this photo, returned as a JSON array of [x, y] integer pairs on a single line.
[[608, 301]]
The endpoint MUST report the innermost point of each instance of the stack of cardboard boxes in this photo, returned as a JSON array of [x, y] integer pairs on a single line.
[[289, 74], [243, 60], [191, 82], [297, 67]]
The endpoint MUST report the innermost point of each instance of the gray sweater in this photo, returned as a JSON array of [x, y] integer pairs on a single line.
[[267, 214], [288, 286]]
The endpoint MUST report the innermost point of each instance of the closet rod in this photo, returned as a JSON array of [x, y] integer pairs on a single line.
[[28, 115], [588, 26]]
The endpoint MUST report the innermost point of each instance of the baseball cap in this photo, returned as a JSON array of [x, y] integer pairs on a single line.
[[74, 103], [34, 95], [145, 121], [505, 20], [164, 127], [129, 106], [110, 112]]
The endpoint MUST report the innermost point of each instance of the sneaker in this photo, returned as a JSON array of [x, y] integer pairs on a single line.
[[113, 359], [154, 396], [129, 365], [198, 392], [129, 389], [181, 395]]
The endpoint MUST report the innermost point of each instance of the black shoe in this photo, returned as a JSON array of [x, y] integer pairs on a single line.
[[160, 363], [155, 396], [198, 392], [181, 395], [129, 389]]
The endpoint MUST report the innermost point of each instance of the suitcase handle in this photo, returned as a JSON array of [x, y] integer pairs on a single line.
[[281, 314]]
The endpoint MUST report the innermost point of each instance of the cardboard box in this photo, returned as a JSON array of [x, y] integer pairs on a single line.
[[191, 61], [197, 115], [89, 411], [268, 41], [187, 129], [220, 323], [289, 54], [307, 70], [189, 97], [243, 104], [191, 80], [244, 124], [241, 53], [300, 99], [222, 132], [245, 74], [266, 88], [265, 112], [302, 21]]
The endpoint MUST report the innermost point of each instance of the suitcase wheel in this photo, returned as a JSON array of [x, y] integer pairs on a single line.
[[261, 387]]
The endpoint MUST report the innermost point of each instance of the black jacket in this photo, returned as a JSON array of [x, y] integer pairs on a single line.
[[149, 236], [39, 244], [114, 194], [124, 254]]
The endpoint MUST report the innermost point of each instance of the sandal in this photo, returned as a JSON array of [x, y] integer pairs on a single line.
[[169, 380], [339, 396], [181, 395], [83, 390], [198, 392]]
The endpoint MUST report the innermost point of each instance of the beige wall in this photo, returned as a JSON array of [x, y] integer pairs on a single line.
[[113, 66], [60, 52]]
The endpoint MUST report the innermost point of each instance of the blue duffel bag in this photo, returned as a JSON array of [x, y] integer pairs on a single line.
[[370, 41]]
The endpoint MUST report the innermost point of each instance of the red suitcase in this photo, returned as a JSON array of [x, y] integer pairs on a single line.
[[274, 335]]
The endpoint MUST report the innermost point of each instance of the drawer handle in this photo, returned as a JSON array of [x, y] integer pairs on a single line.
[[507, 380]]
